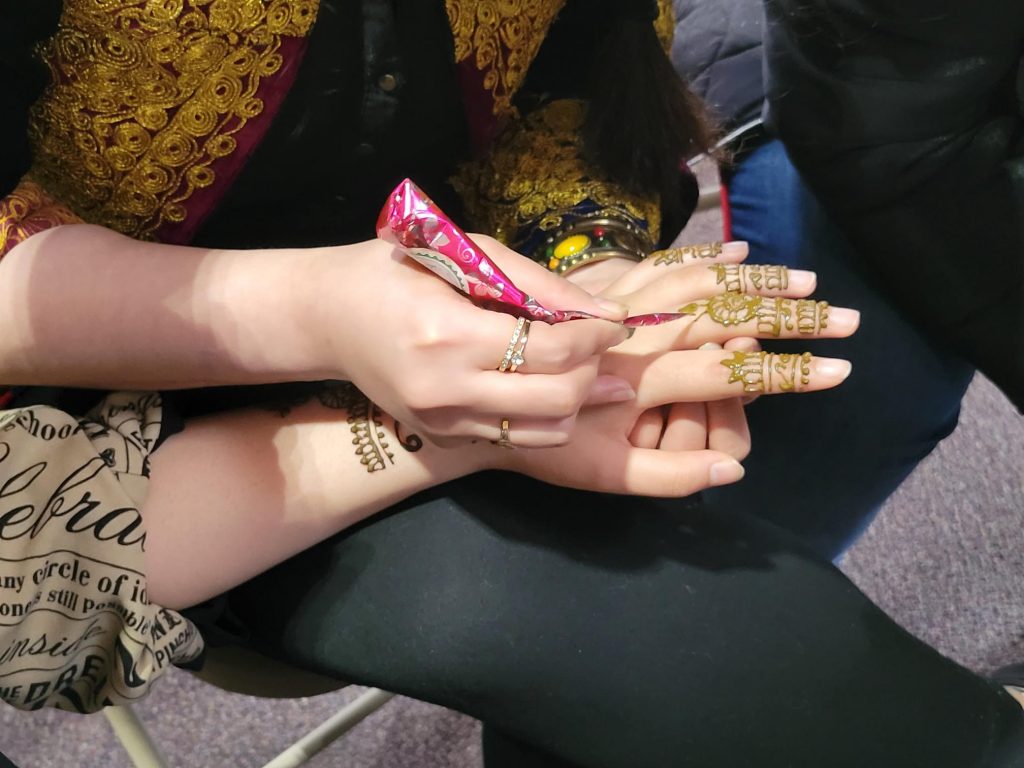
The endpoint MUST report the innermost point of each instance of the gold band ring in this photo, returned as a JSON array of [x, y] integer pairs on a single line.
[[504, 439]]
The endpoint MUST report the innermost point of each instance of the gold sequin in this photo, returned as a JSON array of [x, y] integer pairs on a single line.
[[146, 95], [536, 175]]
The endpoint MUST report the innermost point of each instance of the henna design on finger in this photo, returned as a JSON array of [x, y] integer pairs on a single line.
[[772, 314], [761, 372], [740, 278], [687, 253]]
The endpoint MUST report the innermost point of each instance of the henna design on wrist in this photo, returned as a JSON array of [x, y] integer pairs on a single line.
[[761, 372], [366, 421], [365, 424], [412, 443], [773, 315], [687, 253], [740, 278]]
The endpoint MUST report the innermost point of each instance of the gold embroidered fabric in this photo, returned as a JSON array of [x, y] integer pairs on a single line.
[[147, 95], [665, 24], [503, 36], [536, 174], [28, 210]]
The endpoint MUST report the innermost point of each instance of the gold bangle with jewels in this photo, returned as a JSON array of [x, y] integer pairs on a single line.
[[593, 239]]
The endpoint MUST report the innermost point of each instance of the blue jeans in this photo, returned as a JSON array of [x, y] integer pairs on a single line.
[[823, 463]]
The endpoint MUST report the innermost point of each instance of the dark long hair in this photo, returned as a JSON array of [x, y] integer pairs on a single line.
[[642, 118]]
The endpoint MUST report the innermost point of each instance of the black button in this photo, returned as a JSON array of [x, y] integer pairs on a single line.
[[365, 149]]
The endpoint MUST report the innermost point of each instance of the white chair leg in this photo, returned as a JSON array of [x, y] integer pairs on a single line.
[[332, 729], [134, 738]]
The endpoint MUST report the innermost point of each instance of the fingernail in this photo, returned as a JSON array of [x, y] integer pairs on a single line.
[[832, 368], [802, 280], [710, 345], [843, 319], [618, 311], [611, 389], [735, 248], [725, 472]]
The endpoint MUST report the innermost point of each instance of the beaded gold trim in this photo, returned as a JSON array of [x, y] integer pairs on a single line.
[[146, 96], [536, 176]]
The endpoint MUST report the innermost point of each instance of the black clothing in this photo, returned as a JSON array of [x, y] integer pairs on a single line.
[[907, 118], [615, 632], [718, 48], [341, 142]]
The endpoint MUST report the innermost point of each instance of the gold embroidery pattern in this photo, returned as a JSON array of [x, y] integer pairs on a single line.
[[147, 95], [536, 175], [665, 24], [28, 210], [503, 36]]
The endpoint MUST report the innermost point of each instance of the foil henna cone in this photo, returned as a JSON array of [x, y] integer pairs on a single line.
[[411, 221]]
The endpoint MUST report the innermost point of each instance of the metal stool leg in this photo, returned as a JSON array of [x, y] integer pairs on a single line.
[[134, 738], [332, 729]]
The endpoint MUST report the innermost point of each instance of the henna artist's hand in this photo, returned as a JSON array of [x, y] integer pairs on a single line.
[[427, 355]]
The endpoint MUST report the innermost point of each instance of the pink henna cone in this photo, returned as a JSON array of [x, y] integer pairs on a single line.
[[411, 221]]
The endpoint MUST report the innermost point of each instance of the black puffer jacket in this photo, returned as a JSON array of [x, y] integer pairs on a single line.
[[718, 48], [907, 118]]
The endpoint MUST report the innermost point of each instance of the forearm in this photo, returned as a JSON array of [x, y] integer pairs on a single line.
[[234, 494], [84, 306]]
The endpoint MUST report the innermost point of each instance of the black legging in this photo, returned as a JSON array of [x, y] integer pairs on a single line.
[[611, 632]]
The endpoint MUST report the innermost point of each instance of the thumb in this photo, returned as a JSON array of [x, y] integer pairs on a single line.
[[546, 287]]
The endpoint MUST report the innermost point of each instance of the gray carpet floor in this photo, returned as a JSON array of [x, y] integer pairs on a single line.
[[945, 558]]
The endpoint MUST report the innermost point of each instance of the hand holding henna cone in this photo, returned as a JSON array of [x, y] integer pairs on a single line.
[[412, 221]]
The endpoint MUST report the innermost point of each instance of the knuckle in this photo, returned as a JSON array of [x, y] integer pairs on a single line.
[[420, 398], [560, 357], [566, 401]]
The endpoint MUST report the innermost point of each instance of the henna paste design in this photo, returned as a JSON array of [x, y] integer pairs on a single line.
[[761, 372], [773, 315], [687, 253], [740, 278]]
